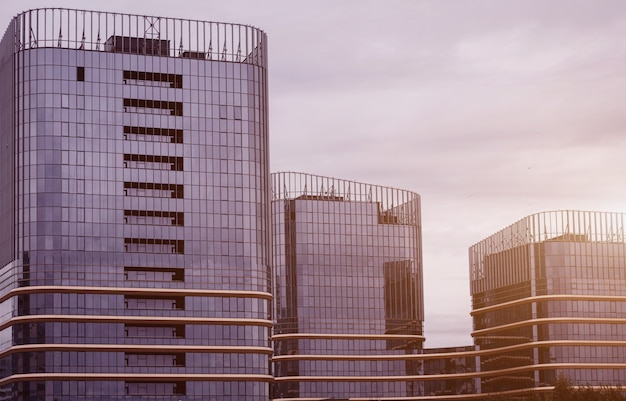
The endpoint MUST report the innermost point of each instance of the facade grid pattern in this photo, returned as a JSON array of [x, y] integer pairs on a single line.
[[136, 250], [348, 282], [550, 292]]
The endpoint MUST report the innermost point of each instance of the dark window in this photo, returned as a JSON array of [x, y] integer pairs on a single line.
[[176, 163], [80, 73], [174, 108], [157, 245], [176, 135], [177, 190], [173, 218], [171, 80]]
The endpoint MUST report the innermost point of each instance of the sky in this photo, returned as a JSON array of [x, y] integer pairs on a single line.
[[491, 110]]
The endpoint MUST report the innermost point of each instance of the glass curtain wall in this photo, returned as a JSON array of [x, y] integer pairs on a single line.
[[136, 248], [552, 289], [348, 284]]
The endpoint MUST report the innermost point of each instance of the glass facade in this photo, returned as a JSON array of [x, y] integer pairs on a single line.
[[454, 366], [551, 288], [348, 288], [134, 246]]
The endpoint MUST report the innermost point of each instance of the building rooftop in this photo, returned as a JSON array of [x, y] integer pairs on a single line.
[[138, 34]]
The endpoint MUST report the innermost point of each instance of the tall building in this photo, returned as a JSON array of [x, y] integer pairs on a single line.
[[549, 300], [348, 289], [134, 237]]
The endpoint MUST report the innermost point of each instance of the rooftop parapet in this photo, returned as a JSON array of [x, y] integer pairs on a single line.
[[553, 226], [138, 34], [396, 206]]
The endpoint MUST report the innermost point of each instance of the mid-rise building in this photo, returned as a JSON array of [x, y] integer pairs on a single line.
[[348, 289], [549, 300], [134, 228]]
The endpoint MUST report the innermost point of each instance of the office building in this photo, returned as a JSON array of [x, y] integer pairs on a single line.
[[348, 289], [549, 301], [135, 246], [134, 237]]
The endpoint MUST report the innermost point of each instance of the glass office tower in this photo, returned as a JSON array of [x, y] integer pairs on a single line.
[[135, 209], [549, 297], [348, 289]]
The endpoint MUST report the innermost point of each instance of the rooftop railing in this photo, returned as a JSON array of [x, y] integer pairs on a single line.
[[138, 34], [396, 205], [559, 225]]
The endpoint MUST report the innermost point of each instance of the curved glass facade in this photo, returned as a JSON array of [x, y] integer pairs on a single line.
[[135, 248], [348, 288], [135, 252], [552, 289]]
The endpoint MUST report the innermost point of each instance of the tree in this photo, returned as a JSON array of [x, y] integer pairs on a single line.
[[563, 390]]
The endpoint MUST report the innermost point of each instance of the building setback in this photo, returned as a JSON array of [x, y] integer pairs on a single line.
[[549, 300], [348, 288], [134, 238]]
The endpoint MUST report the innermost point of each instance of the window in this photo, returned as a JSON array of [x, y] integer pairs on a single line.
[[154, 190], [153, 79], [154, 245], [154, 273], [154, 134], [223, 112], [153, 162], [154, 217], [162, 107]]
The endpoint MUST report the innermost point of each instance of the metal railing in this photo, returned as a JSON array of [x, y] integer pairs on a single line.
[[138, 34], [400, 204]]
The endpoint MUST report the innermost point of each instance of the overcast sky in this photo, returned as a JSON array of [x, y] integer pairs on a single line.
[[491, 110]]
